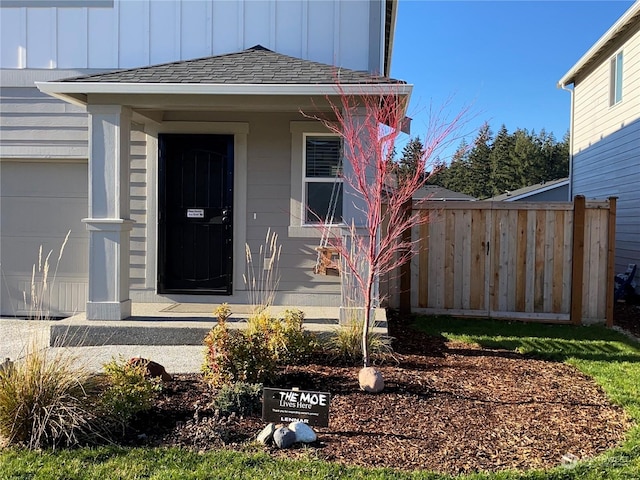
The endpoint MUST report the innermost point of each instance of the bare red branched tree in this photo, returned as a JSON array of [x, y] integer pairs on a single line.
[[369, 125]]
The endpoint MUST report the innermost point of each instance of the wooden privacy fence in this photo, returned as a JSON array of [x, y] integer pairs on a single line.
[[532, 261]]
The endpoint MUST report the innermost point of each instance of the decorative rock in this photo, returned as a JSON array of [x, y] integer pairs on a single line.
[[266, 435], [304, 433], [370, 380], [284, 438], [153, 369]]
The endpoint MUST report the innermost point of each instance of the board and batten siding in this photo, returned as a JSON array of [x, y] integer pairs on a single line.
[[146, 32], [606, 145]]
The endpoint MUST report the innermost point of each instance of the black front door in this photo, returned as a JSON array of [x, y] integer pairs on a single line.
[[195, 213]]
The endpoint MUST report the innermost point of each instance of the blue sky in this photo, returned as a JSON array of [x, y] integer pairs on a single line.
[[503, 59]]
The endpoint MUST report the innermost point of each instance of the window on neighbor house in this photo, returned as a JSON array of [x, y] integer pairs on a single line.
[[615, 93], [322, 179]]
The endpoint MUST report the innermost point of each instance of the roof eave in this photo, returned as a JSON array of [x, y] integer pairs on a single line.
[[600, 45], [76, 92]]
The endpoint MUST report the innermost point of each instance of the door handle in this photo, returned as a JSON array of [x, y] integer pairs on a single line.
[[226, 216]]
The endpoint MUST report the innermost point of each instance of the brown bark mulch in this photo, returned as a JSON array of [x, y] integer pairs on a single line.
[[447, 406]]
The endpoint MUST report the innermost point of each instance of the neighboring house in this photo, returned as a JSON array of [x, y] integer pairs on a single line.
[[605, 128], [438, 193], [551, 191], [185, 117]]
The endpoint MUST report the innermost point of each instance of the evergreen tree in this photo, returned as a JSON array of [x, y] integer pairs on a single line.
[[480, 164], [458, 176], [410, 160], [504, 170]]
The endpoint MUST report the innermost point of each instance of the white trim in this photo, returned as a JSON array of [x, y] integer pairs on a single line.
[[298, 129], [306, 180], [59, 89]]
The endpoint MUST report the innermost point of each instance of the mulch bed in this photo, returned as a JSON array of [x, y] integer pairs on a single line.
[[447, 406]]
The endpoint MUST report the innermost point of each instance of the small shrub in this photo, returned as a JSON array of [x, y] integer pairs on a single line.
[[285, 337], [223, 312], [236, 356], [46, 401], [128, 391], [241, 398], [346, 342]]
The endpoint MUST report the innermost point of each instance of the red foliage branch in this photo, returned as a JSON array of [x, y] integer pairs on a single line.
[[369, 126]]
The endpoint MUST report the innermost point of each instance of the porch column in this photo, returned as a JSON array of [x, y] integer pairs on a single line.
[[108, 223]]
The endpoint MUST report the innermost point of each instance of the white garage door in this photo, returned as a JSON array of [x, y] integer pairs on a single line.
[[40, 201]]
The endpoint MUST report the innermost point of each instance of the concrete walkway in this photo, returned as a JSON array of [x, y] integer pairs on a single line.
[[17, 337], [170, 334]]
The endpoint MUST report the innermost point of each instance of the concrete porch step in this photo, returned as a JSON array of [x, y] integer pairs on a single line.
[[162, 324]]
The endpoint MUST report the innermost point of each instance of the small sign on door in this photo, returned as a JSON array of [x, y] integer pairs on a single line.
[[195, 213]]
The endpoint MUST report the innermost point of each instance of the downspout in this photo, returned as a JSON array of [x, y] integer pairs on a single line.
[[571, 135]]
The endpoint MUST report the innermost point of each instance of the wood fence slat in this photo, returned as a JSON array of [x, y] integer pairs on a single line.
[[530, 289], [478, 260], [538, 298], [466, 259], [558, 261], [449, 258], [577, 270], [423, 270], [548, 261], [567, 255], [437, 244], [521, 260]]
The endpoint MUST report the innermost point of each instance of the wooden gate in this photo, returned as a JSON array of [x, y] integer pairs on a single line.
[[515, 260]]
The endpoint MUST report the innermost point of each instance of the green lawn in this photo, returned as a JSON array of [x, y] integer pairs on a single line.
[[610, 358]]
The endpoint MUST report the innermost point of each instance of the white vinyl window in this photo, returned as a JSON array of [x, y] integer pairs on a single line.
[[615, 91], [322, 179]]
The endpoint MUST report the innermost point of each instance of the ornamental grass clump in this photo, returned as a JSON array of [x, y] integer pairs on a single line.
[[345, 343], [46, 401]]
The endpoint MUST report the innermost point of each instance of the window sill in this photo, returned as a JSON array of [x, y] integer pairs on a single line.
[[312, 231]]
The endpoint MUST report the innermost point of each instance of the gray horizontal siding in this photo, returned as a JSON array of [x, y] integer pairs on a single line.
[[611, 167], [35, 125], [268, 197]]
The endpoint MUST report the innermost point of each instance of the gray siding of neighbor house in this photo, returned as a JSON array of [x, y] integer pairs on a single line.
[[611, 167], [559, 194], [606, 143]]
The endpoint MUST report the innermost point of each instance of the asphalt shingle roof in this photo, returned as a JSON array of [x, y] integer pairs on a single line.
[[256, 65]]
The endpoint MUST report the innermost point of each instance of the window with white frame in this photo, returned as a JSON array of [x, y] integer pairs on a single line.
[[615, 90], [322, 179]]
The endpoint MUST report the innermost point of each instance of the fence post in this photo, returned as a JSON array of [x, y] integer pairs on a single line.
[[405, 268], [577, 254], [611, 260]]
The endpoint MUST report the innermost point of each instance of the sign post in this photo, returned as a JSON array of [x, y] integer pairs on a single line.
[[293, 405]]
